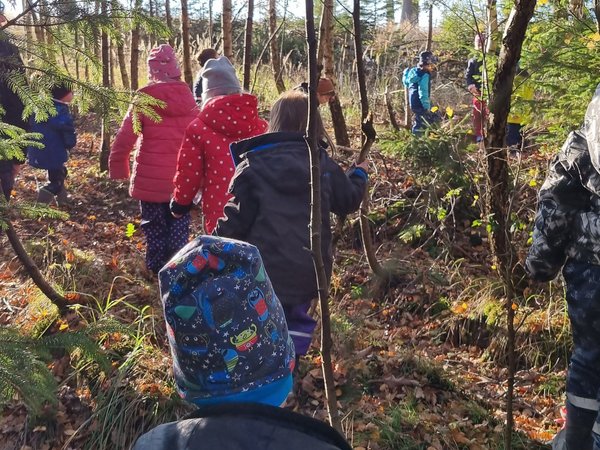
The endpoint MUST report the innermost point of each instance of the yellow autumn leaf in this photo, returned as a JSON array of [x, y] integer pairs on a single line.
[[63, 326], [542, 2], [533, 183], [434, 109], [595, 37], [591, 45], [449, 111]]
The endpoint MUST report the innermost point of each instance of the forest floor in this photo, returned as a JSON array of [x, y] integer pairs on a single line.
[[407, 377]]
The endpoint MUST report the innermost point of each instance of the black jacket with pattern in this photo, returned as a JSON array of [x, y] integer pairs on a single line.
[[270, 208], [567, 223]]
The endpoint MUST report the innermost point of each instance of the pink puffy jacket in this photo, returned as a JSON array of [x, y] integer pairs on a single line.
[[157, 145]]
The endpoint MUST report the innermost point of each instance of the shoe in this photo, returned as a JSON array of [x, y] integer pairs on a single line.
[[45, 196], [63, 198]]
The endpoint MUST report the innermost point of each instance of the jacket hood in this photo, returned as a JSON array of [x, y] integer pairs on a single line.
[[280, 158], [177, 96], [591, 129], [232, 115], [411, 76]]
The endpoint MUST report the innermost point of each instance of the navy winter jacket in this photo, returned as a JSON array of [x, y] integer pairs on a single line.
[[59, 136], [243, 426], [270, 208]]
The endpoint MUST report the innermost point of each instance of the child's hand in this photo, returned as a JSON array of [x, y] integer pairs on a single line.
[[364, 165]]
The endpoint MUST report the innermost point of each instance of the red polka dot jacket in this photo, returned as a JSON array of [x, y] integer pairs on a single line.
[[204, 163]]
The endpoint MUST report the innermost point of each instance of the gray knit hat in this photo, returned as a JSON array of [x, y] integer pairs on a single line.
[[219, 78]]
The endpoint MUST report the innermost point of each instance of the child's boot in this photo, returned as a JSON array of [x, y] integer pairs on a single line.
[[45, 196], [63, 198]]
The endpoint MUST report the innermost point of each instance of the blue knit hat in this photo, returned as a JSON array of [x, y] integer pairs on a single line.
[[226, 327]]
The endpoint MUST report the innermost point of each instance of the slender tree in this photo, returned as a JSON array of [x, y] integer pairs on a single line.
[[326, 56], [169, 20], [316, 221], [498, 198], [226, 29], [492, 27], [274, 47], [368, 138], [135, 48], [185, 42], [248, 45], [105, 124]]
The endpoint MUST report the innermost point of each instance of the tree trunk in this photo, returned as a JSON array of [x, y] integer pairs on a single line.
[[123, 66], [492, 34], [410, 11], [169, 20], [185, 41], [316, 222], [248, 46], [368, 138], [32, 269], [597, 14], [135, 51], [430, 28], [576, 8], [210, 22], [274, 47], [326, 46], [390, 10], [105, 142], [226, 30], [498, 198]]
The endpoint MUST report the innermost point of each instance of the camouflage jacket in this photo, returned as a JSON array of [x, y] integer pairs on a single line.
[[567, 223]]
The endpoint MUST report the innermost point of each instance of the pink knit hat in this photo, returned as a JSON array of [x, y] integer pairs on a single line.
[[162, 64]]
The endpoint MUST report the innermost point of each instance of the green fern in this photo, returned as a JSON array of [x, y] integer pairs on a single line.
[[23, 360]]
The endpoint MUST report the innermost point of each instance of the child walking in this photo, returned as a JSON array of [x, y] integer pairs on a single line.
[[156, 156], [58, 138], [418, 82], [205, 165], [232, 355], [567, 235], [270, 207]]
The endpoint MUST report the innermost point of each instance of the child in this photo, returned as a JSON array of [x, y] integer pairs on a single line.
[[270, 207], [10, 61], [520, 110], [156, 156], [205, 55], [232, 355], [204, 162], [58, 137], [473, 79], [418, 81], [567, 235]]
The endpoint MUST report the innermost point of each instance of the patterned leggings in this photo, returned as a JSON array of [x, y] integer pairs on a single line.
[[165, 235]]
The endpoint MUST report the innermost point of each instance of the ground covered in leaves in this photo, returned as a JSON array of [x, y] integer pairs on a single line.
[[418, 358]]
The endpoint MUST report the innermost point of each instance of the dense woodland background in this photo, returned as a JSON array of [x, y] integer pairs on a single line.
[[438, 342]]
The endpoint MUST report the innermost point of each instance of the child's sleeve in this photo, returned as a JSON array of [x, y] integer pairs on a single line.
[[347, 189], [424, 92], [189, 177], [63, 123], [241, 209], [561, 197], [118, 160]]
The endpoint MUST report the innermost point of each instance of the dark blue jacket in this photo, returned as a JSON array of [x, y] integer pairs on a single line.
[[59, 136], [270, 208], [243, 426]]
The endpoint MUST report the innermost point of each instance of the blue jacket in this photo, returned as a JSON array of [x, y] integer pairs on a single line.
[[417, 82], [59, 136]]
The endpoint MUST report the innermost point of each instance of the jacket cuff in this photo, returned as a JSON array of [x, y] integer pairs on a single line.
[[359, 171], [177, 208]]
